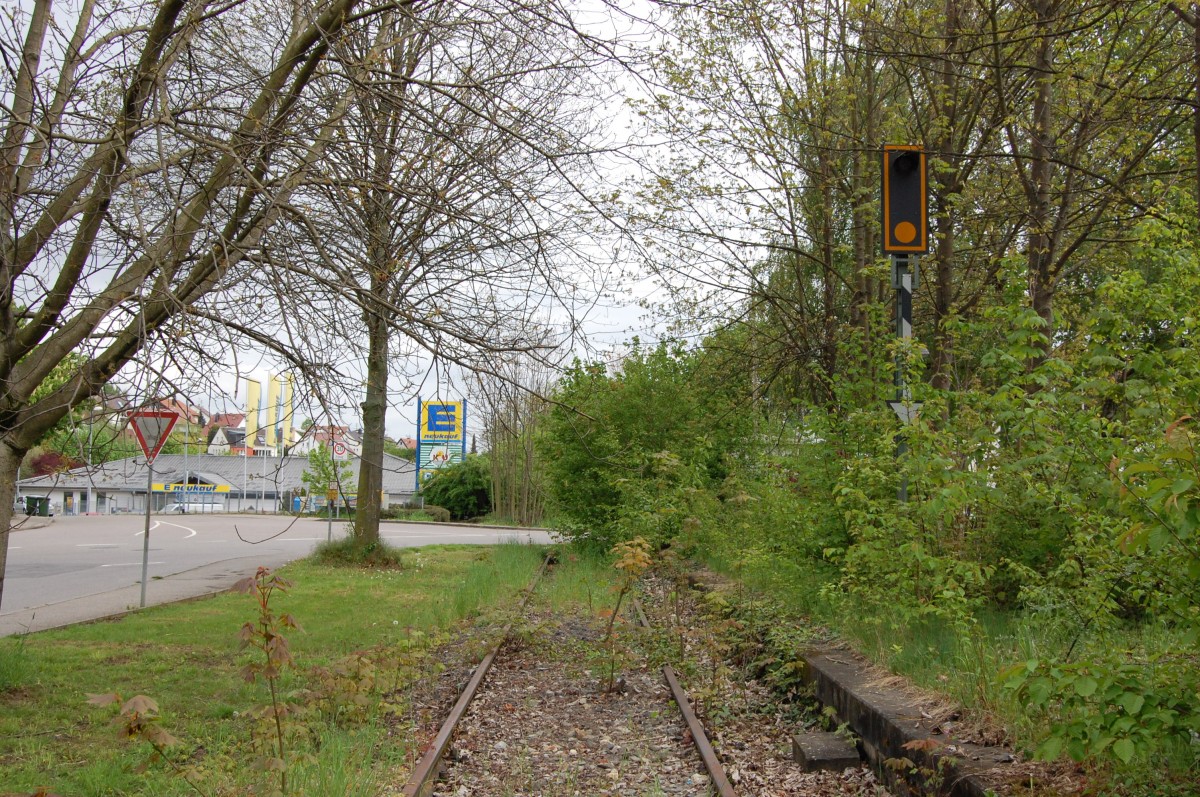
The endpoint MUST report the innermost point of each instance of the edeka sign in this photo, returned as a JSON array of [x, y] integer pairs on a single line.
[[441, 436], [191, 489], [441, 420]]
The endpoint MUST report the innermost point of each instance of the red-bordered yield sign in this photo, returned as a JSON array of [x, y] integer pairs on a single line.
[[904, 200], [152, 429]]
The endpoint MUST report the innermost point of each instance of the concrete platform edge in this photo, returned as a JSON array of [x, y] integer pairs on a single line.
[[885, 722]]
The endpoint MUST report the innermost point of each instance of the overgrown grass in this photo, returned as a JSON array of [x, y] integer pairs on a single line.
[[15, 663], [497, 519], [409, 516], [964, 659], [352, 552], [186, 656], [582, 580]]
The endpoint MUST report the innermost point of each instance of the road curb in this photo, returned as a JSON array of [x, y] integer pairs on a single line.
[[30, 523]]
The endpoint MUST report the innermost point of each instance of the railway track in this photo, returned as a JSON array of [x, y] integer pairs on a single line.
[[534, 719], [616, 736]]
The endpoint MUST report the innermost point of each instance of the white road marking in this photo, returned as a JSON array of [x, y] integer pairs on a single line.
[[185, 528], [132, 564], [158, 523]]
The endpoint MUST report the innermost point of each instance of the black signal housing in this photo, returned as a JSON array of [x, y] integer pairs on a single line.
[[904, 200]]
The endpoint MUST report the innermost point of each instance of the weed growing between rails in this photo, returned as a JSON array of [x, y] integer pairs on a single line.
[[722, 669], [544, 722], [633, 559]]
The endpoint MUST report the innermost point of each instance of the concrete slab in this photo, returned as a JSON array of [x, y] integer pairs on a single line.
[[818, 751], [889, 726]]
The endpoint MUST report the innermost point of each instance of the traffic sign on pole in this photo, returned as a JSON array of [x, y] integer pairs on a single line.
[[151, 429]]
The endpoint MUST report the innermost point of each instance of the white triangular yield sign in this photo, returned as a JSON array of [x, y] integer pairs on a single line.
[[152, 429], [906, 410]]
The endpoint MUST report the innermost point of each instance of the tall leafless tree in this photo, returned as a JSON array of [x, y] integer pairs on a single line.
[[146, 150], [451, 207]]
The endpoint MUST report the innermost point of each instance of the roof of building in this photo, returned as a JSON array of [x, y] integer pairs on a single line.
[[233, 435], [186, 412], [273, 473]]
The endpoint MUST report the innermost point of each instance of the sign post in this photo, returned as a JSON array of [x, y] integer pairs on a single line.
[[151, 430], [905, 234], [330, 496]]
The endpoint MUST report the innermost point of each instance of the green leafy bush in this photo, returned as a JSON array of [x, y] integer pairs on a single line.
[[627, 452], [464, 489], [439, 514], [1111, 710]]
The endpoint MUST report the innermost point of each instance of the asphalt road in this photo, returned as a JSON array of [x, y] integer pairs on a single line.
[[81, 568]]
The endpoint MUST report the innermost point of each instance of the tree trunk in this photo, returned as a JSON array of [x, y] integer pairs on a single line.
[[10, 461], [829, 307], [374, 407], [1041, 288], [1191, 18], [942, 356]]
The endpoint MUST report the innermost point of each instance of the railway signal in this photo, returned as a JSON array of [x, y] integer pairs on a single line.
[[904, 211], [904, 200]]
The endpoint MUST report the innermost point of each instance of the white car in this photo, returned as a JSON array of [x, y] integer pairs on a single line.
[[192, 508]]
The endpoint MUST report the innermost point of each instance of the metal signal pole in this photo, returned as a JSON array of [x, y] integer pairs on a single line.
[[902, 281], [905, 234]]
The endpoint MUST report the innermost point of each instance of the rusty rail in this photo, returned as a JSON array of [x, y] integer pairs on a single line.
[[420, 782], [423, 776], [716, 772]]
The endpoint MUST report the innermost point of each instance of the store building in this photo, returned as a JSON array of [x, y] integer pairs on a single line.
[[222, 483]]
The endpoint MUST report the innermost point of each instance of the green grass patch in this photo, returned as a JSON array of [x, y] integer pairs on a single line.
[[497, 519], [352, 552], [186, 656], [16, 666], [581, 580]]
